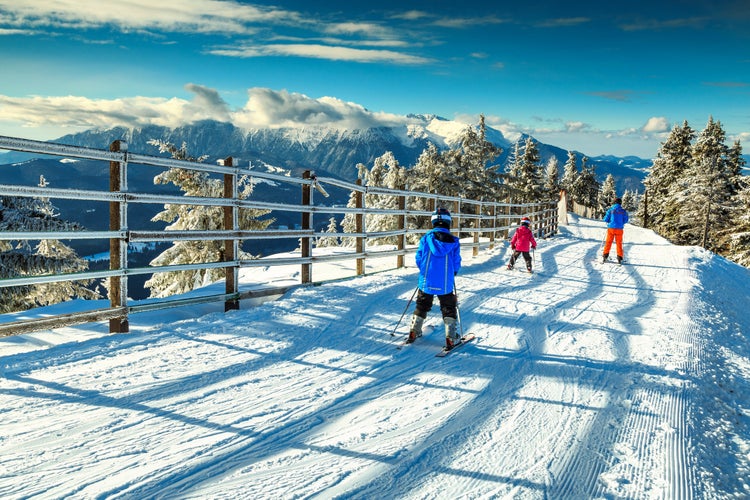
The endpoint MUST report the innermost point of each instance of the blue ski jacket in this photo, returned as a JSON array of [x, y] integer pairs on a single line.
[[616, 217], [438, 259]]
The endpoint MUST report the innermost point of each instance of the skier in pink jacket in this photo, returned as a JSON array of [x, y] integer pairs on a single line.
[[521, 242]]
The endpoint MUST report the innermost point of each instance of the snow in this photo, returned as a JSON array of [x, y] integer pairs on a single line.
[[586, 380]]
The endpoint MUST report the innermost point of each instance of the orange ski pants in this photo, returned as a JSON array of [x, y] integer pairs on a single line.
[[613, 234]]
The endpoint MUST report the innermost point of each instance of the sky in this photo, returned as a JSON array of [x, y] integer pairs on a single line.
[[587, 76], [586, 380]]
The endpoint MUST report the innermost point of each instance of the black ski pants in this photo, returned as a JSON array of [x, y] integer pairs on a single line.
[[526, 257], [448, 304]]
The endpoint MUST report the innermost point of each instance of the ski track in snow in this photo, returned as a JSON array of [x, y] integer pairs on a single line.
[[580, 384]]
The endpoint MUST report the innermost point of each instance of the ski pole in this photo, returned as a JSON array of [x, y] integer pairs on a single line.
[[393, 333], [458, 313]]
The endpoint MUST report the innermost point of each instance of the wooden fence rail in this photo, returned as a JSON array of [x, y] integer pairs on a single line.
[[480, 223]]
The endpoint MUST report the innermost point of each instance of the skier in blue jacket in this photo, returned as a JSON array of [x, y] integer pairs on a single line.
[[438, 259], [616, 218]]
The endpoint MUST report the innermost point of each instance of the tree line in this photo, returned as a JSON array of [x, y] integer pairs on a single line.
[[695, 193]]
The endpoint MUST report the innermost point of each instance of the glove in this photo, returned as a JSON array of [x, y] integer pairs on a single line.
[[512, 247], [455, 274], [534, 247]]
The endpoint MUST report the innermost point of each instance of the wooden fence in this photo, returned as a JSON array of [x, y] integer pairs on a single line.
[[481, 224]]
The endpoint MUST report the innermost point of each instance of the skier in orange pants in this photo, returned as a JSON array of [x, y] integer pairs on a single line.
[[616, 218]]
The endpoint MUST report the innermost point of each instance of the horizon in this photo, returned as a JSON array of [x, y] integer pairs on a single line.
[[587, 79]]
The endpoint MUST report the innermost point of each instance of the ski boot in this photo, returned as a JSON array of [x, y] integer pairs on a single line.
[[605, 257], [619, 259], [452, 337], [415, 329]]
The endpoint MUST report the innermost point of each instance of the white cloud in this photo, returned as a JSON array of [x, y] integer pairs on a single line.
[[277, 109], [575, 126], [656, 125], [264, 108], [215, 17], [318, 51], [203, 16]]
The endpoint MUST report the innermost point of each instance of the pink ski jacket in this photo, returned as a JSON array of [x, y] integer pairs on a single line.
[[523, 239]]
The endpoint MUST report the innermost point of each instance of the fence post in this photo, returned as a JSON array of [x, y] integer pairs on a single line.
[[456, 210], [359, 223], [401, 226], [231, 247], [305, 243], [494, 225], [118, 247], [509, 218], [477, 227]]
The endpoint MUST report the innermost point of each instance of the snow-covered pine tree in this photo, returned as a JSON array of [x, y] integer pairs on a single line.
[[735, 164], [552, 183], [570, 176], [585, 189], [630, 201], [607, 194], [21, 258], [190, 217], [672, 160], [703, 192], [479, 179], [332, 240], [739, 227], [424, 176], [527, 177], [387, 173], [513, 172]]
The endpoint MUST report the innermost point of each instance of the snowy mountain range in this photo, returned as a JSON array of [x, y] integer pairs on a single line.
[[327, 150]]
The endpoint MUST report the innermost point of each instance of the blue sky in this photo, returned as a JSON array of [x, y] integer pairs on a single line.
[[598, 77]]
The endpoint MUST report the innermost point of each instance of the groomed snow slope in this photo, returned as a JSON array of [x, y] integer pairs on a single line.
[[587, 380]]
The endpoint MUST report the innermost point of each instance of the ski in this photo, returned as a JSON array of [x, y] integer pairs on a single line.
[[608, 261], [521, 271], [464, 340]]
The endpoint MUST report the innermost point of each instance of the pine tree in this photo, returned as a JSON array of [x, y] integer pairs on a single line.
[[386, 173], [703, 192], [607, 194], [425, 177], [552, 183], [630, 201], [21, 258], [514, 172], [191, 217], [333, 239], [530, 181], [735, 163], [739, 234], [479, 179], [585, 189], [570, 177], [672, 160]]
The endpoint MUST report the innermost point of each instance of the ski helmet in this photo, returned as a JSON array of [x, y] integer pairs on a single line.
[[618, 200], [525, 221], [441, 218]]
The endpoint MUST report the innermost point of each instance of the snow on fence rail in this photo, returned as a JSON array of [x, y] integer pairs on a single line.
[[482, 220]]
